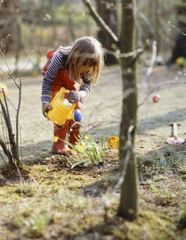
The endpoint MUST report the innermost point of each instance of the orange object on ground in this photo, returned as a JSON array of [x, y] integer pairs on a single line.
[[113, 142]]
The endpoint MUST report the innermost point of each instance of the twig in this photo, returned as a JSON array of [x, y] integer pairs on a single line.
[[77, 164], [155, 89], [29, 57], [92, 127], [17, 116], [9, 101], [114, 53], [3, 129], [183, 33], [14, 144], [153, 59], [135, 54], [144, 18], [9, 71]]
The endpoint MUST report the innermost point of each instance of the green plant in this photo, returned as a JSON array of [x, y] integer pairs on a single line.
[[36, 224], [89, 151]]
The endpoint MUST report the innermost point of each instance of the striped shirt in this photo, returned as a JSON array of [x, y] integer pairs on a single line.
[[57, 63]]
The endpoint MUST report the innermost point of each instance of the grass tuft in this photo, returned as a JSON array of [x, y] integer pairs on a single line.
[[88, 152]]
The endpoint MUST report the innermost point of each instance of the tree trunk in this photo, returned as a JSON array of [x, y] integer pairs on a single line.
[[179, 49], [70, 22], [128, 207], [9, 37], [157, 25], [107, 11]]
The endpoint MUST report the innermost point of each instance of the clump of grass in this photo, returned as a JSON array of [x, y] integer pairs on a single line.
[[32, 223], [36, 225], [27, 190], [172, 159], [68, 199], [88, 152], [182, 171], [182, 216], [161, 161]]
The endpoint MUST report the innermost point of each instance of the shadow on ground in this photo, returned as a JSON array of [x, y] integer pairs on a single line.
[[162, 120], [38, 151]]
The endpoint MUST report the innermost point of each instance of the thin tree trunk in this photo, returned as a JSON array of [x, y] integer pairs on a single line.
[[157, 25], [128, 207], [70, 22]]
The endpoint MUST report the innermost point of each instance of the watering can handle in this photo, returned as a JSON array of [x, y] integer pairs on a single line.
[[64, 91]]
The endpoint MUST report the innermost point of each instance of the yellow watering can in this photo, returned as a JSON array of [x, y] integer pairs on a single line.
[[62, 110]]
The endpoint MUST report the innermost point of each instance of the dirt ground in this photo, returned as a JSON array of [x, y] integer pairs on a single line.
[[44, 205]]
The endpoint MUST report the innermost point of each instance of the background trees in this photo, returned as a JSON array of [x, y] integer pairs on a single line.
[[108, 11], [179, 49], [9, 26], [47, 24]]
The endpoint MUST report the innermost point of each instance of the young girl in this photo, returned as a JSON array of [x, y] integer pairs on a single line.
[[75, 68]]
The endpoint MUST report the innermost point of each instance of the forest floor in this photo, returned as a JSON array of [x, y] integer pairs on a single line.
[[53, 200]]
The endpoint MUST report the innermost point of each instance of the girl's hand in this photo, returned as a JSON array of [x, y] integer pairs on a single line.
[[45, 108], [76, 96], [73, 97]]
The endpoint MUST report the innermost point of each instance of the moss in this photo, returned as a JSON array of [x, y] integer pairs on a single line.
[[8, 194], [150, 225]]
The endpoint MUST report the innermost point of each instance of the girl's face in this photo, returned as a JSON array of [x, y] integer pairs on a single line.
[[85, 69]]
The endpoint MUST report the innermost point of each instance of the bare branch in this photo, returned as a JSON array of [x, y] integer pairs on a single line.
[[6, 117], [153, 59], [134, 54], [157, 88], [172, 25], [17, 115], [100, 22], [26, 63]]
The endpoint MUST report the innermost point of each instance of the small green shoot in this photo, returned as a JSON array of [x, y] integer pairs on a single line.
[[89, 151]]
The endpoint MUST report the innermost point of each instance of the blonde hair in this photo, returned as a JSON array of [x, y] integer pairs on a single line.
[[86, 51]]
